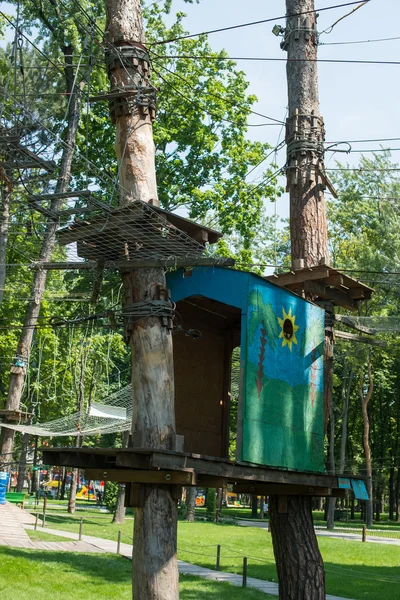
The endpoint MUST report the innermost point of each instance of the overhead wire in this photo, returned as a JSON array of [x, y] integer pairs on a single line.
[[252, 23], [277, 59]]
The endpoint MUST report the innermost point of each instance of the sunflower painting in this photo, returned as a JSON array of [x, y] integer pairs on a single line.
[[288, 329]]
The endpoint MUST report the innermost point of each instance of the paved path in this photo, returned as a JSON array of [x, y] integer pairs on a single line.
[[14, 521], [357, 537]]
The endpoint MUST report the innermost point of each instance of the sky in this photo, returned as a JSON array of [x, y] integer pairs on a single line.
[[357, 101]]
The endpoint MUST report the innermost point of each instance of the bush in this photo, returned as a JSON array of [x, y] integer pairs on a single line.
[[110, 496], [182, 511], [211, 503]]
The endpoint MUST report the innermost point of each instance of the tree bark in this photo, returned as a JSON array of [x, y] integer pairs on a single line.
[[63, 484], [254, 506], [308, 229], [330, 520], [22, 462], [6, 190], [17, 379], [345, 417], [191, 504], [155, 567], [120, 510], [367, 448], [299, 562], [298, 559], [72, 491]]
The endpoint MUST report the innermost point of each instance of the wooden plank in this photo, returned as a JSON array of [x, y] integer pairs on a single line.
[[84, 460], [357, 293], [336, 296], [344, 335], [353, 324], [232, 471], [187, 477], [287, 490], [294, 277], [206, 481]]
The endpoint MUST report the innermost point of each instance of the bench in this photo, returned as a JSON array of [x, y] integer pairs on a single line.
[[16, 498]]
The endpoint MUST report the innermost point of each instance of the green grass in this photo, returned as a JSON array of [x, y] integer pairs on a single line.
[[36, 575], [354, 570], [42, 536]]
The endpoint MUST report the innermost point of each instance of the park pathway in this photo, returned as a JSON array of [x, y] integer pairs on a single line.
[[14, 521], [268, 587]]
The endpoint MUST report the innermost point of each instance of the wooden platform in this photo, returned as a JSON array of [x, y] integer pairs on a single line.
[[326, 284], [19, 416], [138, 466]]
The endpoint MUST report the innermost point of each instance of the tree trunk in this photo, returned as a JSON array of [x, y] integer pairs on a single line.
[[300, 565], [298, 559], [254, 506], [120, 510], [22, 462], [72, 491], [6, 190], [63, 484], [191, 504], [367, 449], [155, 566], [308, 229], [345, 417], [17, 379]]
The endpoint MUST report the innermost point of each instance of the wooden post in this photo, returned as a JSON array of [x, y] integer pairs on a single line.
[[244, 578], [80, 529], [119, 543], [364, 533], [155, 566], [36, 521], [218, 562]]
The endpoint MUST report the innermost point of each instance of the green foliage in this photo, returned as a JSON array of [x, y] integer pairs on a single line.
[[110, 495], [211, 503]]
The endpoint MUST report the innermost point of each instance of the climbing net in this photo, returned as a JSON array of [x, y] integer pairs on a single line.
[[110, 415]]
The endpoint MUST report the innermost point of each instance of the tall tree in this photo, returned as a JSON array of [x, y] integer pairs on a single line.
[[298, 559], [155, 567], [74, 90]]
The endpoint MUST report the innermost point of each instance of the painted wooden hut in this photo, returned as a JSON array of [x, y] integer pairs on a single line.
[[280, 407]]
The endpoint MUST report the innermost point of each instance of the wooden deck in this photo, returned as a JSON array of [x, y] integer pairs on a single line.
[[135, 465]]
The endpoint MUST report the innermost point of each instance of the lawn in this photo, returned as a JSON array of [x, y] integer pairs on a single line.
[[35, 575], [353, 570]]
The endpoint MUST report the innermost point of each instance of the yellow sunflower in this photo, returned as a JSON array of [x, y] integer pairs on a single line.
[[289, 328]]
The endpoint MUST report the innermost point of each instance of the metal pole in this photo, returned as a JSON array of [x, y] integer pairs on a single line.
[[218, 563], [119, 542], [364, 533], [80, 529], [36, 521], [244, 581]]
